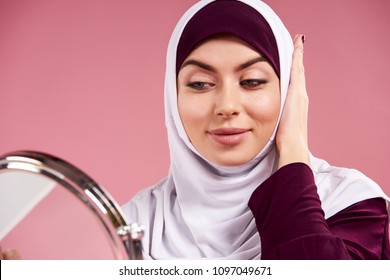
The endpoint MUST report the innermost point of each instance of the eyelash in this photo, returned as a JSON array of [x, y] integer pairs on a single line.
[[199, 85], [253, 83], [249, 83]]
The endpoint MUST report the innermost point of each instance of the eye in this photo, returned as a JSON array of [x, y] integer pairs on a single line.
[[199, 85], [252, 83]]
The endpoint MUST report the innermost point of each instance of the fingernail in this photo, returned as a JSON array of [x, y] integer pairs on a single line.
[[303, 39]]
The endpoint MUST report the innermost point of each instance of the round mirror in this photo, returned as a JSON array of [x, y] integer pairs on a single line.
[[35, 186]]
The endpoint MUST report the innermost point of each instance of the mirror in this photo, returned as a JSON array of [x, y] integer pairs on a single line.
[[29, 178]]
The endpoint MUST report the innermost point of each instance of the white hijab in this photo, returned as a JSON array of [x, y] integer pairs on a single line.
[[200, 210]]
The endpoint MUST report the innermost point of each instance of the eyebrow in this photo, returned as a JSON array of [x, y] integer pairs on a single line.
[[197, 63], [212, 69], [251, 62]]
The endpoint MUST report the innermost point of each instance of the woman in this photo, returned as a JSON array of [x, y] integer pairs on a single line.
[[242, 183]]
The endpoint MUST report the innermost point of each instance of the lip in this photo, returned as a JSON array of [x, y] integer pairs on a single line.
[[229, 136]]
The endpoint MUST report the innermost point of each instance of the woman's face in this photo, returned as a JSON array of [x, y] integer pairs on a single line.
[[228, 100]]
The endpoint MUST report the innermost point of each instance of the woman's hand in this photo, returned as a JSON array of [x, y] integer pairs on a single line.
[[291, 138], [9, 254]]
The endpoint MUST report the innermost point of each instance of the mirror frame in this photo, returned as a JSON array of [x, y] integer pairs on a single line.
[[125, 240]]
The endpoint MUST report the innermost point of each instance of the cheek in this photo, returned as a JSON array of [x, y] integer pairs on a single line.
[[265, 108], [194, 111]]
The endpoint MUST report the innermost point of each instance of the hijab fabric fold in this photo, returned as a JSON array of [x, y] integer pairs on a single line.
[[200, 209]]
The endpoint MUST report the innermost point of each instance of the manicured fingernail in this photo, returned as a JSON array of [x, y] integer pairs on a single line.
[[303, 39]]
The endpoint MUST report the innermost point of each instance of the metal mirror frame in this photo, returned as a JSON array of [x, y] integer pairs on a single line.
[[125, 240]]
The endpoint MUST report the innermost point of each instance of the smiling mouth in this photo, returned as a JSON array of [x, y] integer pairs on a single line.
[[229, 136]]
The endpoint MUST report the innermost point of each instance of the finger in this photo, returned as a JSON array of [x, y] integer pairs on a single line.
[[11, 254], [297, 68]]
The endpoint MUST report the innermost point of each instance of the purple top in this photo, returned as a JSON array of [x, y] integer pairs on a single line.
[[291, 222]]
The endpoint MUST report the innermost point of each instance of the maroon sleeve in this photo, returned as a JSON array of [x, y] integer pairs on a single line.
[[291, 222]]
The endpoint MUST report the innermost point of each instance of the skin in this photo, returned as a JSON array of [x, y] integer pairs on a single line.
[[291, 139], [9, 254], [229, 104]]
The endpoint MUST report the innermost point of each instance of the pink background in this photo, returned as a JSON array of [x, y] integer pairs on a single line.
[[83, 80]]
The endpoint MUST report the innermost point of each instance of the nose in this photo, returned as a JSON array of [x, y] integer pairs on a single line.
[[228, 103]]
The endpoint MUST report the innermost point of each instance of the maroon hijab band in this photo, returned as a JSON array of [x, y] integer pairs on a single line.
[[232, 17]]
